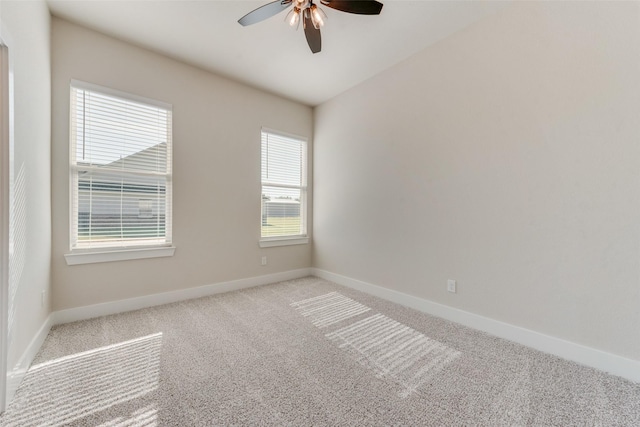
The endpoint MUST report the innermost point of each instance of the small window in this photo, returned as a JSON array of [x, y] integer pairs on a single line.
[[284, 186], [120, 169]]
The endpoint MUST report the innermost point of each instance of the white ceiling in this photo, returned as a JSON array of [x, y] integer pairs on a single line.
[[271, 55]]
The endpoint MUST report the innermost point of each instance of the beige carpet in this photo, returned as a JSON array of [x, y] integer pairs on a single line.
[[300, 353]]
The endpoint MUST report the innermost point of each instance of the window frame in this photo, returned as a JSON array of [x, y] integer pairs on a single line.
[[292, 239], [112, 251]]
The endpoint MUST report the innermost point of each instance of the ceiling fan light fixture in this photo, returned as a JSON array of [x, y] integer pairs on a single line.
[[312, 17], [293, 17], [318, 17]]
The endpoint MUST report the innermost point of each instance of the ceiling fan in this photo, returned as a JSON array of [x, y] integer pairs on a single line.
[[310, 14]]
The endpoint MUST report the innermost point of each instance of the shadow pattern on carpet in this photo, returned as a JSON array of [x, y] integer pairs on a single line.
[[299, 353]]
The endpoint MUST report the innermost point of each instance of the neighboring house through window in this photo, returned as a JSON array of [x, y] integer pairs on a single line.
[[284, 187], [120, 148]]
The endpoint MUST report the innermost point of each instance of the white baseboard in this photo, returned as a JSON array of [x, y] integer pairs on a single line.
[[121, 306], [17, 373], [608, 362]]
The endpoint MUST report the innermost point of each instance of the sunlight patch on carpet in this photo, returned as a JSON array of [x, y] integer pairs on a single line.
[[328, 309], [143, 417], [394, 350], [67, 389]]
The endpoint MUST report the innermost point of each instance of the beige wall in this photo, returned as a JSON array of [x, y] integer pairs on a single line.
[[216, 183], [28, 25], [506, 157]]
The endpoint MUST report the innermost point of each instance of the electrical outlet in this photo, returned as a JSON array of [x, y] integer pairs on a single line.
[[451, 286], [264, 260]]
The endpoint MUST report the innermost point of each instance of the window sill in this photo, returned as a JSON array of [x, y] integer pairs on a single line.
[[118, 255], [283, 241]]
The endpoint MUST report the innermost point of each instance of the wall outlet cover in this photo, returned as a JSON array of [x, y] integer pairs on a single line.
[[451, 286]]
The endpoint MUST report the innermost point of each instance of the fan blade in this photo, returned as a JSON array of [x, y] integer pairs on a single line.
[[264, 12], [360, 7], [313, 34]]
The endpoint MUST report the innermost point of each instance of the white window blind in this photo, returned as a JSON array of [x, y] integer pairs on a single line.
[[284, 185], [120, 148]]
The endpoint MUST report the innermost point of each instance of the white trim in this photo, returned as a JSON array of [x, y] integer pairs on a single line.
[[118, 255], [120, 94], [114, 307], [284, 241], [608, 362], [17, 373], [6, 164]]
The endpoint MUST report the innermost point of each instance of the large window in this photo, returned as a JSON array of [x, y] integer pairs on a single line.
[[120, 149], [284, 186]]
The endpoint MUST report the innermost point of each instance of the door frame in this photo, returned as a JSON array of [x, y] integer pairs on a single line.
[[6, 153]]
